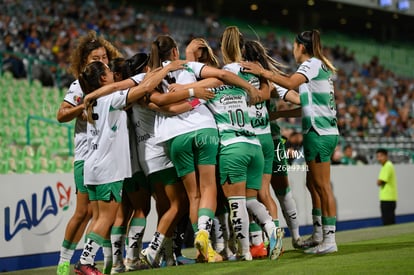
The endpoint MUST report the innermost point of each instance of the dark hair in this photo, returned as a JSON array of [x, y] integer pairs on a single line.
[[382, 151], [117, 65], [255, 51], [129, 67], [137, 63], [348, 146], [311, 40], [90, 78], [161, 50]]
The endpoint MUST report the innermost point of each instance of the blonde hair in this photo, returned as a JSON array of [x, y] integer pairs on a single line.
[[231, 45]]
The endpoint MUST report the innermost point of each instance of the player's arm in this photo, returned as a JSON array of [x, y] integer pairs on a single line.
[[231, 78], [68, 112], [108, 89], [175, 108], [211, 82], [191, 49], [150, 81], [153, 78], [296, 112], [162, 99], [289, 82], [293, 97]]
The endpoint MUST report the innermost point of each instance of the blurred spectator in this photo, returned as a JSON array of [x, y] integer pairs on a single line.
[[32, 42], [336, 156], [347, 157], [12, 62]]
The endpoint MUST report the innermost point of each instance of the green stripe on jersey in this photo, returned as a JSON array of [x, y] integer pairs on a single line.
[[320, 122], [321, 99], [322, 74]]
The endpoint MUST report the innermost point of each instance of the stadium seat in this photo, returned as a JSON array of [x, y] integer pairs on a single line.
[[29, 165], [68, 165], [4, 166], [28, 151], [19, 135], [42, 151], [16, 166]]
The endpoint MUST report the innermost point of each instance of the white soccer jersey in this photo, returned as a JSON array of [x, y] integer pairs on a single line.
[[229, 107], [152, 154], [168, 127], [317, 98], [259, 117], [74, 96], [108, 159], [133, 150]]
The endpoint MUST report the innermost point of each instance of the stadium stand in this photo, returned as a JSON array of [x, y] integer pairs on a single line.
[[371, 76]]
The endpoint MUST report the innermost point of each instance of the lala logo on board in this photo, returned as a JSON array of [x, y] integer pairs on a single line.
[[30, 213]]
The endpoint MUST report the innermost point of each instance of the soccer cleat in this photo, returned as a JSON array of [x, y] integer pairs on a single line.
[[258, 251], [323, 248], [183, 260], [169, 261], [213, 256], [245, 257], [63, 268], [147, 259], [86, 269], [276, 243], [298, 243], [133, 265], [118, 269], [311, 242], [202, 245]]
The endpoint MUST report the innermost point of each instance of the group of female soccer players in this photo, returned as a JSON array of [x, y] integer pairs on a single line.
[[199, 139]]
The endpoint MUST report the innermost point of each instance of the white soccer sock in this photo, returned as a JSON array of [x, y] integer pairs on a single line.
[[155, 245], [90, 249], [260, 214], [118, 245], [66, 251], [317, 224], [135, 235], [239, 218], [288, 205], [205, 219], [329, 233], [217, 235], [107, 254]]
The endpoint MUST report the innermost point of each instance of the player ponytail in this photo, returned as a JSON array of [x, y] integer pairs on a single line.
[[232, 43], [255, 51], [161, 50], [311, 40], [90, 80]]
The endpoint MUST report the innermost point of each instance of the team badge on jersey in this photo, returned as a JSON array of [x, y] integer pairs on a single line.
[[77, 99]]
